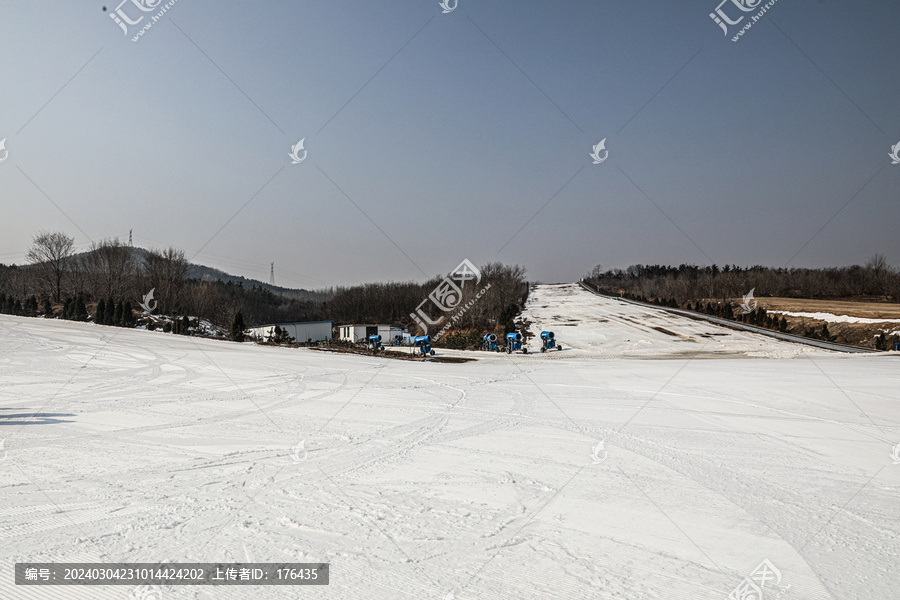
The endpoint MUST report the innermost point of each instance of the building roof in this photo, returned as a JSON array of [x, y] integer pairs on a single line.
[[290, 323]]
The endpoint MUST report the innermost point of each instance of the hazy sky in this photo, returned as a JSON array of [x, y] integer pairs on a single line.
[[452, 131]]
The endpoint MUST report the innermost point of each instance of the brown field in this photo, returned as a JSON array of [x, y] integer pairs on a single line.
[[869, 310], [856, 334]]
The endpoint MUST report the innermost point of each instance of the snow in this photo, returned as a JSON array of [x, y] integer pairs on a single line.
[[832, 318], [592, 326], [478, 479]]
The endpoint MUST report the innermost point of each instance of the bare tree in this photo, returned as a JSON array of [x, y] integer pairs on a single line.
[[166, 272], [880, 271], [50, 253], [111, 267]]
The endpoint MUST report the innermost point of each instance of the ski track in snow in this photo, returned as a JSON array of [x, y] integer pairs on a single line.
[[723, 448]]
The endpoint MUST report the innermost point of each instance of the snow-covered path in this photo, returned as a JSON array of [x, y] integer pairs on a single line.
[[481, 479], [590, 325]]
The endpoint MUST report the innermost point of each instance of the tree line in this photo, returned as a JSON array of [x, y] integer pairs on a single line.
[[875, 281], [107, 284]]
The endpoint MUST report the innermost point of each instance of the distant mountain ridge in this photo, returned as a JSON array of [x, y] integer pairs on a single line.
[[204, 273]]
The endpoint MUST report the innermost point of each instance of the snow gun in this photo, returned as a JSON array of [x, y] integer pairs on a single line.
[[549, 341], [375, 343], [514, 342], [490, 343], [422, 342]]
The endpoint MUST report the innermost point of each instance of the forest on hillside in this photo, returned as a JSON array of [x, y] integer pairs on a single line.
[[106, 284], [876, 281]]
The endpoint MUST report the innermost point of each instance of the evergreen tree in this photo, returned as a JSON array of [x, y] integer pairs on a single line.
[[826, 335], [782, 326], [127, 314], [185, 325], [67, 308], [117, 314], [48, 308], [79, 310], [237, 327], [99, 317], [109, 312], [280, 336]]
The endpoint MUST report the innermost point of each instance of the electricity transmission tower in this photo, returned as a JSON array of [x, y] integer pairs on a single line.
[[272, 275]]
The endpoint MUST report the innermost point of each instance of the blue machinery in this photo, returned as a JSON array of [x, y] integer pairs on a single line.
[[514, 342], [374, 343], [422, 343], [549, 341], [490, 343]]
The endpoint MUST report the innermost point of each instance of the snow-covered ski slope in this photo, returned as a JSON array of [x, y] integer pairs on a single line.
[[481, 480], [591, 325]]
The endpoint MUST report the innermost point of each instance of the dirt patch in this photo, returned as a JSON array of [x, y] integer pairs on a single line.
[[396, 355], [854, 334], [869, 310], [665, 331]]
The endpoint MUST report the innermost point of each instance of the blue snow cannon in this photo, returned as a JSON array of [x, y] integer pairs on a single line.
[[422, 343], [549, 341], [375, 343], [490, 343], [514, 342]]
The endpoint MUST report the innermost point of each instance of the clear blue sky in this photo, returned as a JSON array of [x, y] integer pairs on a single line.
[[452, 131]]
